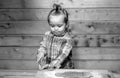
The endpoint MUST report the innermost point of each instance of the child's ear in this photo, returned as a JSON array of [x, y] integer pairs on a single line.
[[67, 27]]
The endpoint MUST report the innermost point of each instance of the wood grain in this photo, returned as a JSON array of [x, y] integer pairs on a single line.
[[100, 54], [84, 58], [29, 53], [76, 27], [94, 25], [74, 14], [18, 76], [78, 40], [18, 53], [73, 73], [108, 65], [18, 73], [31, 65], [18, 64], [20, 40], [64, 3], [97, 40], [24, 27], [57, 72]]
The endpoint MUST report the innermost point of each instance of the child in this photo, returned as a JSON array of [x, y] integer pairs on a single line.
[[55, 49]]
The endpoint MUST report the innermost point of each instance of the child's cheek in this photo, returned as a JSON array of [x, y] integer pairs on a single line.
[[52, 29], [62, 29]]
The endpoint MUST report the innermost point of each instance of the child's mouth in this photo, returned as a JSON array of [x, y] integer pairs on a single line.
[[56, 32]]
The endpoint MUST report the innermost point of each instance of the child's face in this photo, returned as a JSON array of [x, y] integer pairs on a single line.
[[57, 24]]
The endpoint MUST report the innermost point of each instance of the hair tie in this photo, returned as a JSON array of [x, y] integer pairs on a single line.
[[57, 7]]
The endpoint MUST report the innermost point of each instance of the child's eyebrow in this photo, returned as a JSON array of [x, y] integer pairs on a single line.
[[56, 24]]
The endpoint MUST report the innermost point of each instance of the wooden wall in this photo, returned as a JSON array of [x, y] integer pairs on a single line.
[[95, 25]]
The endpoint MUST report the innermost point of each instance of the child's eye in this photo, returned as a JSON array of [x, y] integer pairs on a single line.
[[59, 25], [52, 25]]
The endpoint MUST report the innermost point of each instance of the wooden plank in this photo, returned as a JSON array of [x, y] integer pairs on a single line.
[[105, 54], [97, 40], [19, 76], [18, 64], [31, 65], [79, 40], [29, 53], [74, 14], [24, 27], [108, 65], [23, 14], [20, 40], [95, 27], [77, 27], [10, 4], [64, 3], [19, 53], [73, 73], [17, 72], [57, 73]]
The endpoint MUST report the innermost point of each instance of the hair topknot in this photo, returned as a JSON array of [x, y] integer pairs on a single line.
[[58, 10], [57, 7]]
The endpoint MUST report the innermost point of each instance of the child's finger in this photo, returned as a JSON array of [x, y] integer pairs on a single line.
[[57, 66], [51, 68], [45, 66]]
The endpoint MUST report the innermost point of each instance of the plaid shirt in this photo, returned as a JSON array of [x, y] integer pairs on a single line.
[[54, 47]]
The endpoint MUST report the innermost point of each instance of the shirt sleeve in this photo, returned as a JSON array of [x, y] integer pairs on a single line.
[[68, 46], [65, 51], [42, 46], [42, 49]]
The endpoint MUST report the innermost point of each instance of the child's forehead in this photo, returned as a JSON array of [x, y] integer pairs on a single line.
[[57, 18]]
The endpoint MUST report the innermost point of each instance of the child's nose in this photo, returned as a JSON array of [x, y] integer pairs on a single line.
[[56, 28]]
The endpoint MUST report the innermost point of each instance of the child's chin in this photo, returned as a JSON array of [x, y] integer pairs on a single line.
[[56, 33]]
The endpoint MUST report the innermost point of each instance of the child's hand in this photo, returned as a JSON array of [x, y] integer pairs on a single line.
[[55, 64], [44, 67], [52, 64]]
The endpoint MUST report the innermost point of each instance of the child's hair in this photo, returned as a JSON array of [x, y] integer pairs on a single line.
[[58, 10]]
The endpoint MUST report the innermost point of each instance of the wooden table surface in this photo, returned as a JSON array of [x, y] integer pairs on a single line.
[[59, 73], [74, 73]]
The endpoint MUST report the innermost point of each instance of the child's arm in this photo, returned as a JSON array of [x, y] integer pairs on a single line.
[[65, 52], [41, 53]]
